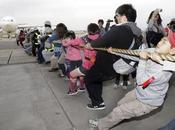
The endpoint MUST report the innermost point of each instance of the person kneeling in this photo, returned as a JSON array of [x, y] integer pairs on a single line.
[[149, 94]]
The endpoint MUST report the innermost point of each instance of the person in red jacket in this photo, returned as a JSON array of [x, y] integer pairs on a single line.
[[21, 38]]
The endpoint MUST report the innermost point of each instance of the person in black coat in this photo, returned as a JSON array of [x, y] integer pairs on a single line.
[[119, 36]]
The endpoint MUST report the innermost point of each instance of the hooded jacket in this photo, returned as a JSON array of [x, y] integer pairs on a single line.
[[74, 54], [118, 33]]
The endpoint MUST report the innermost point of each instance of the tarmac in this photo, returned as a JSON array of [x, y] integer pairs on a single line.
[[31, 98]]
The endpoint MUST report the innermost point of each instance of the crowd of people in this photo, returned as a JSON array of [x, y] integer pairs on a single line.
[[78, 60]]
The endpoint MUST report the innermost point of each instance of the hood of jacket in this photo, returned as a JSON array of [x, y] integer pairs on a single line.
[[136, 30]]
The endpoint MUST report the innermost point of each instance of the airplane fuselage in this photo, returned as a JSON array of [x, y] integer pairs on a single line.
[[8, 25]]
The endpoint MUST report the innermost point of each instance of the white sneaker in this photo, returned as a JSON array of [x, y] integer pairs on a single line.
[[72, 93]]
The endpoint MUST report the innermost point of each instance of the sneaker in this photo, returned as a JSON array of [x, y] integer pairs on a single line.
[[116, 84], [97, 107], [61, 75], [81, 89], [70, 93], [93, 123]]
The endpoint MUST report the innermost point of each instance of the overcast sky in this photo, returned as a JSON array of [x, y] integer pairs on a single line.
[[77, 14]]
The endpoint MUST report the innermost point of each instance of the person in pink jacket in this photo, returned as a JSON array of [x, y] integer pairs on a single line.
[[73, 59], [88, 59]]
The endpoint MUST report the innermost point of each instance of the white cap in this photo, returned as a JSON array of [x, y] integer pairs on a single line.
[[47, 23]]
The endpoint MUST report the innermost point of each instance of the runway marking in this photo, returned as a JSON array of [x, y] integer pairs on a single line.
[[10, 57], [15, 57]]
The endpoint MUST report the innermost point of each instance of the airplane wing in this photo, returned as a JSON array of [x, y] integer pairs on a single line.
[[22, 26]]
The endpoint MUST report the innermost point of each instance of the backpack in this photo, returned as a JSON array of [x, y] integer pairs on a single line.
[[153, 38]]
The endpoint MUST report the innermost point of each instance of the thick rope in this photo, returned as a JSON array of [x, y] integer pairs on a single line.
[[135, 53]]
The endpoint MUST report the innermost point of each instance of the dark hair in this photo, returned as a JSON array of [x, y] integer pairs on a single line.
[[70, 34], [128, 11], [101, 21], [93, 29], [61, 29], [159, 21], [171, 25], [172, 22]]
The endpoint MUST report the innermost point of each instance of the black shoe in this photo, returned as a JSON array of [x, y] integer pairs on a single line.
[[97, 107]]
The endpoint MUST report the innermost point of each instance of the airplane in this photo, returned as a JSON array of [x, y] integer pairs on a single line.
[[8, 25]]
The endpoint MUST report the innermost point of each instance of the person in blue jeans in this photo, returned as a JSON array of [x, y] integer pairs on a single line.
[[40, 58], [169, 126]]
